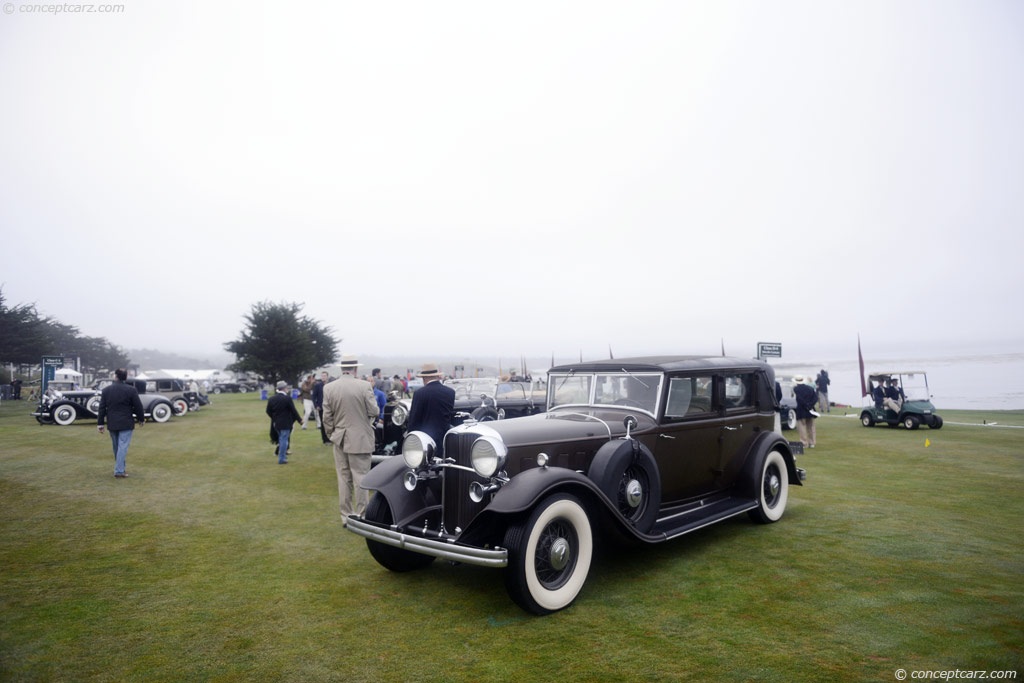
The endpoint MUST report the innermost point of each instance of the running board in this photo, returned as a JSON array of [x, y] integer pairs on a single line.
[[698, 518]]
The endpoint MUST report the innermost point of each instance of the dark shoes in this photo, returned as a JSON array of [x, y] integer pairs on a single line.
[[120, 476]]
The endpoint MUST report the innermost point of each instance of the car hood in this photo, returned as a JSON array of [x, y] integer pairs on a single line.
[[565, 425]]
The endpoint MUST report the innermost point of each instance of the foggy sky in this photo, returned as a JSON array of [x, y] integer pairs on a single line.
[[529, 178]]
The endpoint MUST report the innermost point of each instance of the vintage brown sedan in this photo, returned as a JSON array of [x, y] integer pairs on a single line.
[[645, 448]]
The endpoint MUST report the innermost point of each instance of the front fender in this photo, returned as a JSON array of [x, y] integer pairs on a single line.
[[759, 450], [386, 479], [522, 493]]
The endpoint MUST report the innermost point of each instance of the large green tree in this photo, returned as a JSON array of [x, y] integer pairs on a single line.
[[280, 343]]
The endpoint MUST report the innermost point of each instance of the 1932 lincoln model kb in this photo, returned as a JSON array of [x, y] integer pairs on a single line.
[[647, 449]]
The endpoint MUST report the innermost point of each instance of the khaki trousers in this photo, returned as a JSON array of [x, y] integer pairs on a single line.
[[805, 427], [351, 467]]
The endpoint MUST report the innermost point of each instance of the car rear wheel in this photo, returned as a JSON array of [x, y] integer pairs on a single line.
[[180, 406], [161, 412], [790, 419], [911, 422], [93, 404], [549, 555], [388, 556], [867, 420], [773, 493], [64, 415], [936, 422], [243, 389], [216, 390]]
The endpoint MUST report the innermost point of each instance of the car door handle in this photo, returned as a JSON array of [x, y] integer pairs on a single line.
[[665, 436], [731, 429]]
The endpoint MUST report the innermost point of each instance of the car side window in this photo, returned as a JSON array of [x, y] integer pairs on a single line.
[[738, 391], [689, 396]]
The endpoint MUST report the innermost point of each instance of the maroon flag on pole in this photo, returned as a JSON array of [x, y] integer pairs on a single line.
[[723, 346], [860, 358]]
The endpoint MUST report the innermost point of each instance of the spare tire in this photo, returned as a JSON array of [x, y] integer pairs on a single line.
[[485, 414], [625, 471]]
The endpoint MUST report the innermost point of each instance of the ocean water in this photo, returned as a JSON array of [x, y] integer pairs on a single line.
[[975, 382]]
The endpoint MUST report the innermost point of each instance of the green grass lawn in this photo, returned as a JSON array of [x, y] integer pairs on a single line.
[[904, 550]]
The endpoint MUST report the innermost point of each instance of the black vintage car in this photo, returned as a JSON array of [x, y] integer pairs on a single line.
[[647, 449], [64, 407], [487, 399]]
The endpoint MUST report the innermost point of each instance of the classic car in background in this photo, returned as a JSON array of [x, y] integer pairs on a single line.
[[646, 449], [478, 399], [64, 407], [176, 391], [787, 405], [916, 407], [487, 399], [240, 387]]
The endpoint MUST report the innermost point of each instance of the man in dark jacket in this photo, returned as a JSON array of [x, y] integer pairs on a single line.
[[805, 398], [283, 415], [120, 406], [318, 405], [433, 407]]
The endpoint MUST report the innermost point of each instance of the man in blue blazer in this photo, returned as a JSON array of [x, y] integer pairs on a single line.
[[433, 406]]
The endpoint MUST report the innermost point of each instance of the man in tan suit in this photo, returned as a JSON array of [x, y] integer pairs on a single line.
[[349, 412]]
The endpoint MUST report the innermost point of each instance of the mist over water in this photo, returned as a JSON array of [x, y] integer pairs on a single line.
[[974, 382]]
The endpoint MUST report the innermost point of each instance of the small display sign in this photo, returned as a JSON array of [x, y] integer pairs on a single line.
[[769, 350], [50, 365]]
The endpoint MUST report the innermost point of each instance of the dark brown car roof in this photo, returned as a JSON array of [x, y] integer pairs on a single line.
[[660, 364]]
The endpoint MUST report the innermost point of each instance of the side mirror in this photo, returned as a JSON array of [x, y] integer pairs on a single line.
[[630, 424]]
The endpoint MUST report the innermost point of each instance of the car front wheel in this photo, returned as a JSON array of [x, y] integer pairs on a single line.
[[867, 420], [64, 415], [388, 556], [549, 555], [911, 422], [936, 422], [216, 390], [161, 412], [180, 406], [773, 493], [790, 419]]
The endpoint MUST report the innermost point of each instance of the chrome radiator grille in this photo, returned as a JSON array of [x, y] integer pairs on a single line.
[[459, 510]]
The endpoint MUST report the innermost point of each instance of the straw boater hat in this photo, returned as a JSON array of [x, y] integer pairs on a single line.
[[798, 379], [348, 360], [429, 370]]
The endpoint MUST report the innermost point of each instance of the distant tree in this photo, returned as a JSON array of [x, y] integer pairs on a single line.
[[279, 343], [23, 333], [25, 336]]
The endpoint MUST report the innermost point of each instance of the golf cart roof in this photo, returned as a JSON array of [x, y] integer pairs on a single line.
[[897, 372]]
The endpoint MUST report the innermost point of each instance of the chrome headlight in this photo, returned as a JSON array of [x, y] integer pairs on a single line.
[[488, 455], [416, 448], [399, 414]]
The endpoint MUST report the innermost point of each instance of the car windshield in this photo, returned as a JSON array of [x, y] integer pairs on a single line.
[[634, 390], [914, 386], [472, 388]]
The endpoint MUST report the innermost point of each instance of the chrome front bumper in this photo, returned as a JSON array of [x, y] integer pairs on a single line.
[[453, 552]]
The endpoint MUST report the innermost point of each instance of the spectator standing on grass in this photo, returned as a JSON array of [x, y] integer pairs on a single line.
[[121, 407], [17, 389], [350, 411], [822, 381], [306, 390], [433, 407], [283, 415], [805, 398]]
